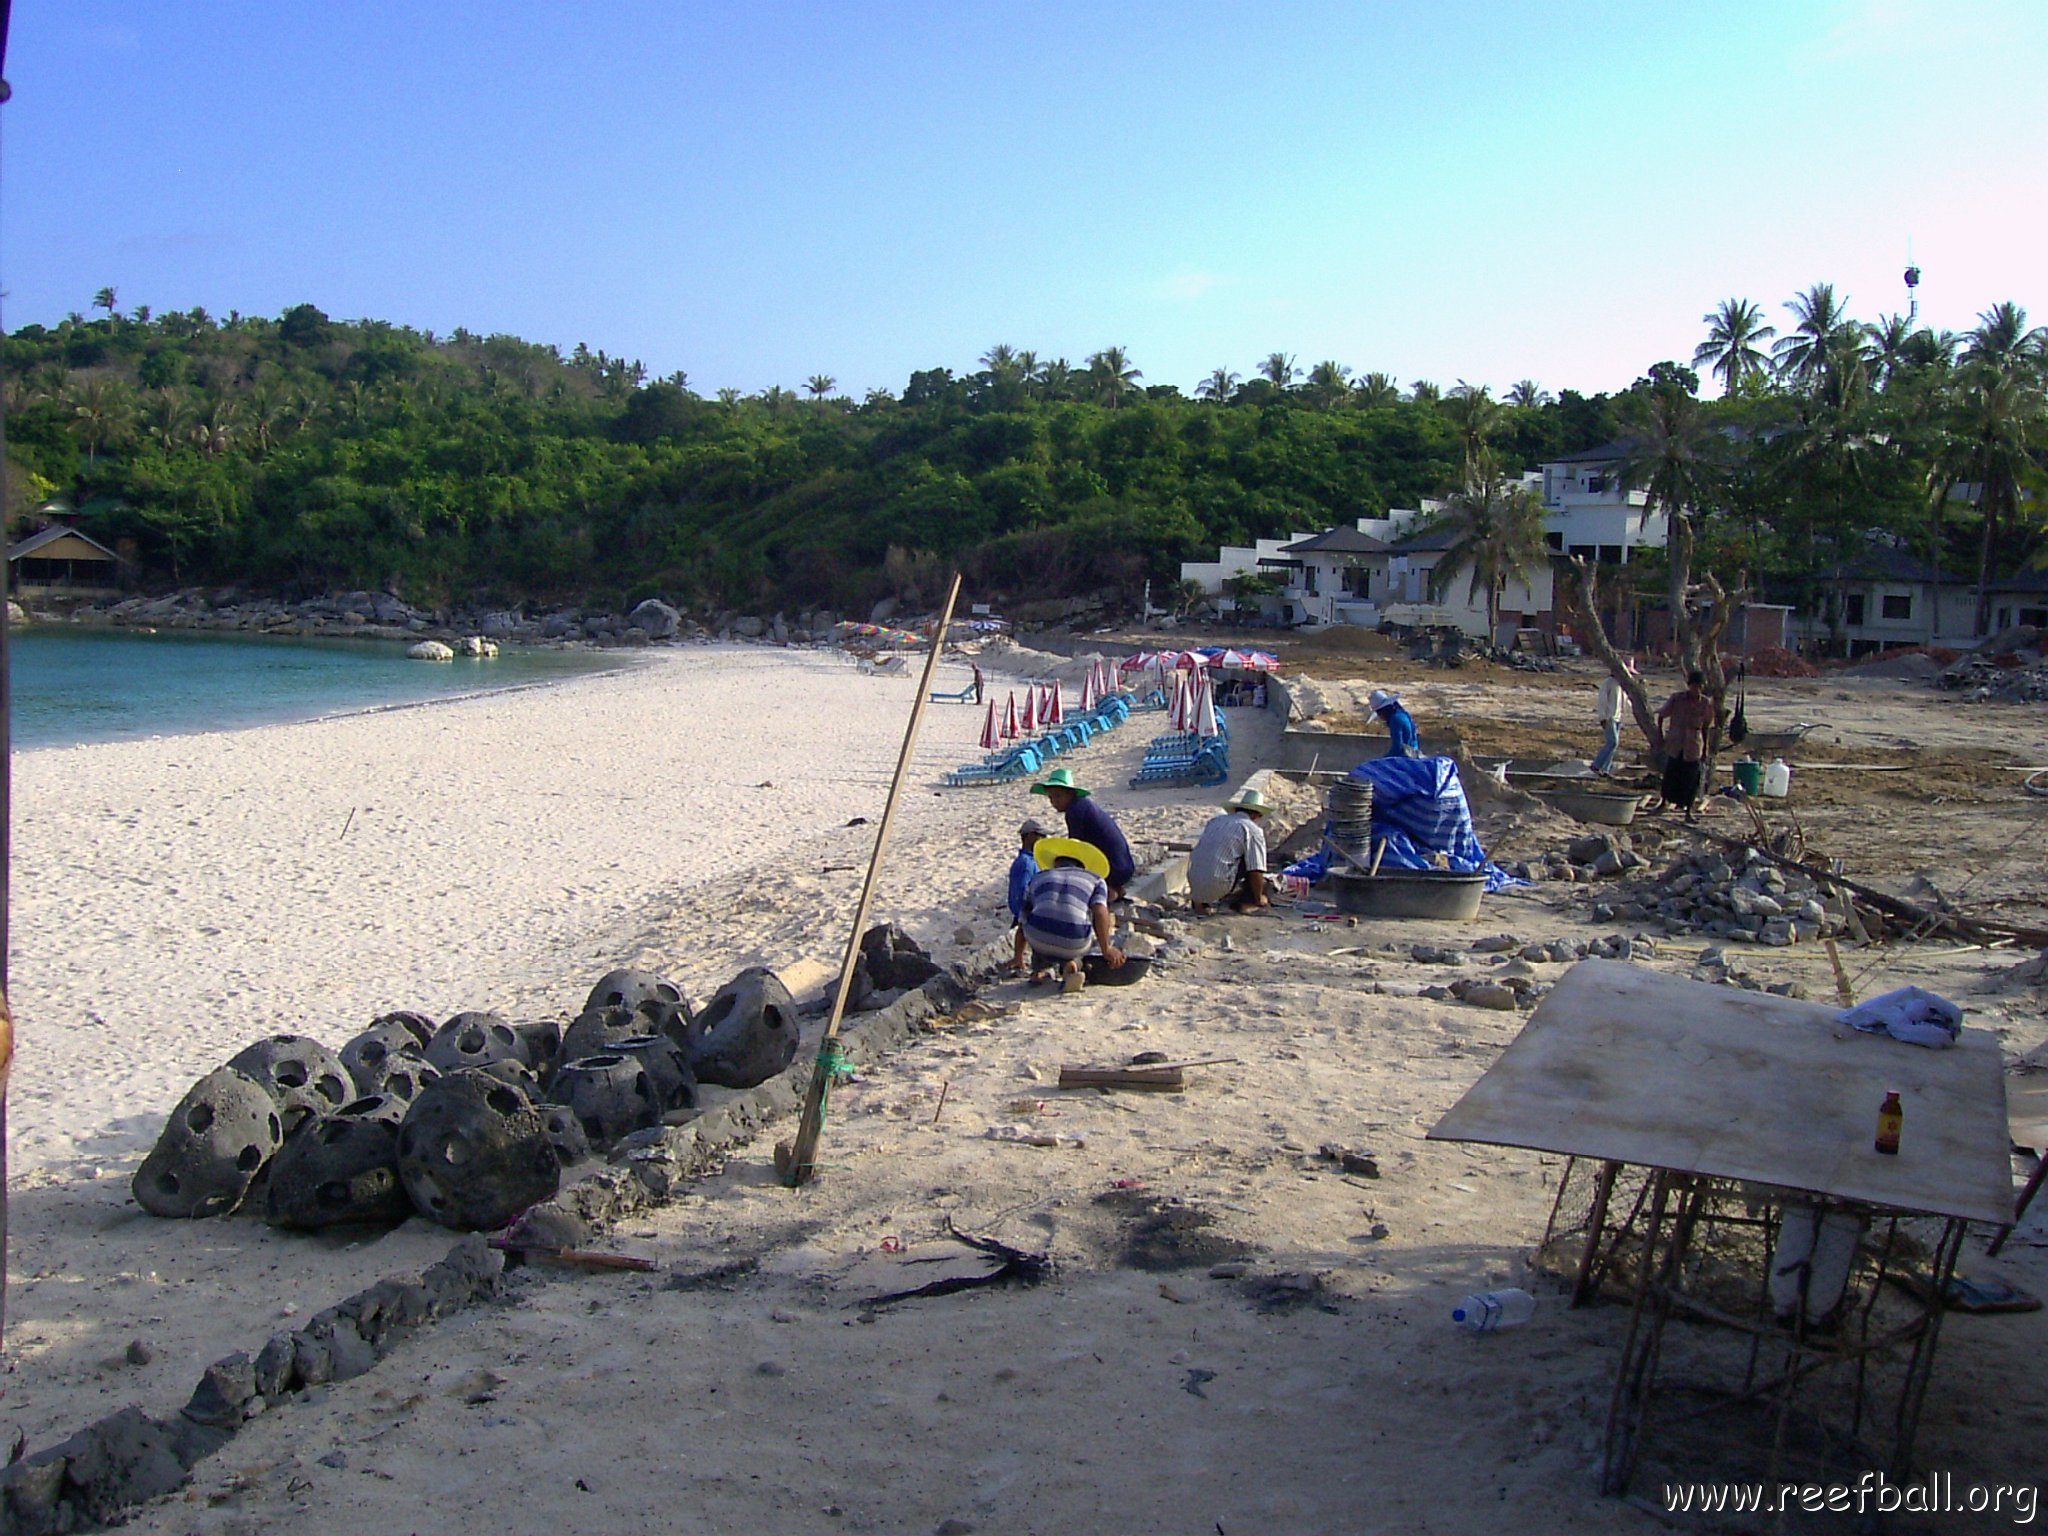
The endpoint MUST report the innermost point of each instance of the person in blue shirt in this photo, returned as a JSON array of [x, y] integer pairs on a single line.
[[1024, 866], [1401, 738], [1090, 823]]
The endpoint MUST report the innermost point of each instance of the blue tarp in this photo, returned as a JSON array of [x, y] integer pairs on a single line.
[[1418, 809]]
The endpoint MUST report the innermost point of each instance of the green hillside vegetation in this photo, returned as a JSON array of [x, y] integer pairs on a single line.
[[303, 454]]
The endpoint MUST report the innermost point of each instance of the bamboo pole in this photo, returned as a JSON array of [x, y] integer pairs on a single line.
[[799, 1164]]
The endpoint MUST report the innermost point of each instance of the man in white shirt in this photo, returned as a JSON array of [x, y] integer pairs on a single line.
[[1608, 708], [1229, 861]]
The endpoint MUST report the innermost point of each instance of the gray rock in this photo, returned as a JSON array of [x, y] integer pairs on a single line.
[[473, 1152], [475, 1039], [656, 618], [224, 1392], [340, 1168], [1488, 994], [1590, 848], [746, 1034], [629, 989], [1496, 944], [611, 1096], [212, 1147], [749, 628], [274, 1363], [1435, 954], [302, 1075]]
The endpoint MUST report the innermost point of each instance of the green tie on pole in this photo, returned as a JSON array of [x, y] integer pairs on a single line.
[[794, 1160]]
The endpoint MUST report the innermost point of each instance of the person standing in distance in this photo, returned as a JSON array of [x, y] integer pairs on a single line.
[[1607, 709]]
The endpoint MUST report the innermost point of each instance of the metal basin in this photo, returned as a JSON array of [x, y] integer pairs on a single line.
[[1601, 807], [1437, 893]]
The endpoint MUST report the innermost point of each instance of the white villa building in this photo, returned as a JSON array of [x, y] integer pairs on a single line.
[[1588, 514]]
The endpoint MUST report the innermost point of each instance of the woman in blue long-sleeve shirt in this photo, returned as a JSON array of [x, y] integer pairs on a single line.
[[1402, 740]]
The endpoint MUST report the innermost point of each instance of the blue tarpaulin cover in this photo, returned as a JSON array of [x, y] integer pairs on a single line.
[[1418, 809]]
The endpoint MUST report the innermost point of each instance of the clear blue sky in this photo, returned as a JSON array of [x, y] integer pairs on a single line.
[[759, 192]]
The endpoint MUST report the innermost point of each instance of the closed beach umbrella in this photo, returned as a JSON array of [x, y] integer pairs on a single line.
[[1205, 711], [1088, 690], [1030, 721], [991, 733], [1010, 719], [1055, 711]]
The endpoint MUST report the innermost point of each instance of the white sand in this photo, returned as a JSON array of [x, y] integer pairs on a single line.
[[506, 851]]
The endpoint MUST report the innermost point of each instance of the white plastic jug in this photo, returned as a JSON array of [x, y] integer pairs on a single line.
[[1778, 779]]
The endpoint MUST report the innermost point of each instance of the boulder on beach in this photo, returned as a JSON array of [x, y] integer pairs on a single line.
[[656, 617], [431, 650]]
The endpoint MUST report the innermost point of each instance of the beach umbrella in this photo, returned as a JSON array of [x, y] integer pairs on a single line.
[[1177, 711], [1055, 712], [1010, 719], [1205, 710], [1088, 690], [991, 733], [1030, 721], [1191, 660]]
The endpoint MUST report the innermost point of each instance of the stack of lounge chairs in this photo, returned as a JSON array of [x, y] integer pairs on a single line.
[[1185, 757], [1022, 759]]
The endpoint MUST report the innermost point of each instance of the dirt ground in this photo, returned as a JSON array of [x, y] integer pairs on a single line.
[[1237, 1335]]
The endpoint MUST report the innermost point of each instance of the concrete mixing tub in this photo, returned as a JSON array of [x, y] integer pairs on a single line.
[[1436, 893]]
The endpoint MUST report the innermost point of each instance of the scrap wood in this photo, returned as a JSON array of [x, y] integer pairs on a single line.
[[583, 1257], [1016, 1265], [1149, 1076], [1976, 930]]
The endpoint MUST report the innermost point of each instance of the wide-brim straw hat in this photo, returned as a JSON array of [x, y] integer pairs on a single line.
[[1059, 778], [1380, 698], [1249, 800], [1050, 850]]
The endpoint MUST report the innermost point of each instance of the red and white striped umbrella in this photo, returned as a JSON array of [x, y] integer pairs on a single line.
[[1088, 690], [1010, 719], [1030, 721], [1055, 711], [991, 733], [1205, 710], [1177, 712]]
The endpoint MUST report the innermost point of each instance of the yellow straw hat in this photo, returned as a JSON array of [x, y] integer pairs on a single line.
[[1050, 850]]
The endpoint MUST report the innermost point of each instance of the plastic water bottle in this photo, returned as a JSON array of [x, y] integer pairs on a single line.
[[1486, 1311]]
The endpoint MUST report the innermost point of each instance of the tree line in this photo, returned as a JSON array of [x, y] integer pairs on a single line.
[[302, 453]]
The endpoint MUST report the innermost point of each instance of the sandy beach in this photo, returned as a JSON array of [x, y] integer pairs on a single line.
[[1238, 1336]]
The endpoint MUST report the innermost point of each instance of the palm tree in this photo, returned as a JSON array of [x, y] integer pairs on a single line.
[[1803, 355], [1278, 367], [168, 419], [1056, 380], [215, 429], [1477, 415], [729, 397], [2000, 340], [1668, 455], [105, 299], [2000, 419], [1891, 339], [1378, 390], [820, 385], [1219, 386], [1111, 376], [1527, 394], [101, 408], [1423, 392], [1734, 346], [1328, 383], [1496, 535]]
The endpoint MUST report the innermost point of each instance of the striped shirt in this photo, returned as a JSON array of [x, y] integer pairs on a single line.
[[1057, 907]]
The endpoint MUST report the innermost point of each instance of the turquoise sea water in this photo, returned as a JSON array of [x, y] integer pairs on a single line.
[[74, 686]]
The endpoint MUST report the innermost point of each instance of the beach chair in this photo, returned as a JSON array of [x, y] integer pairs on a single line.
[[964, 696], [1210, 765]]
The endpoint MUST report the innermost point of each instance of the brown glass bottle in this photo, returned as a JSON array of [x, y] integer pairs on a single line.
[[1891, 1116]]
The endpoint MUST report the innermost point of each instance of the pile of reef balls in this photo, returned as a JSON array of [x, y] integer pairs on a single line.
[[468, 1122]]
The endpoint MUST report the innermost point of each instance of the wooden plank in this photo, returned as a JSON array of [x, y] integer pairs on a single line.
[[1627, 1064], [1145, 1079]]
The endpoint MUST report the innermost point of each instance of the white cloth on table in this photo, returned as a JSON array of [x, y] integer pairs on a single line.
[[1911, 1014]]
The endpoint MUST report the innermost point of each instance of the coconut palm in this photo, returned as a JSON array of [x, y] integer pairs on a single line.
[[1424, 392], [216, 428], [101, 408], [1496, 537], [1278, 367], [167, 419], [1527, 394], [1891, 339], [1378, 390], [1219, 386], [1733, 349], [2000, 420], [105, 299], [729, 397], [1056, 380], [2000, 340], [1111, 376], [820, 385], [1804, 354], [1477, 415], [1328, 383]]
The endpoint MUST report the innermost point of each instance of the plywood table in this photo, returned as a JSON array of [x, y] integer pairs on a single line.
[[1713, 1089]]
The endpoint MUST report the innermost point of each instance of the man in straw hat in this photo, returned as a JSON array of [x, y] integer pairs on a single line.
[[1401, 738], [1090, 823], [1229, 861], [1065, 906]]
